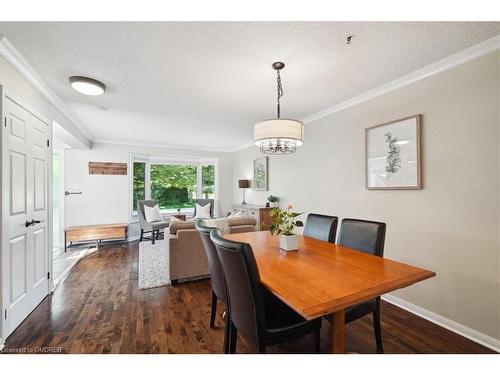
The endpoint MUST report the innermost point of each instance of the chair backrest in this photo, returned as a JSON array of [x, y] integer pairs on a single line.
[[203, 203], [140, 210], [321, 227], [216, 274], [244, 288], [363, 235]]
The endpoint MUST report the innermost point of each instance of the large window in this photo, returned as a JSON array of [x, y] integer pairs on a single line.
[[174, 184]]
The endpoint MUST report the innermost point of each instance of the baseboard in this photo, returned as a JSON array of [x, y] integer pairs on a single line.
[[458, 328]]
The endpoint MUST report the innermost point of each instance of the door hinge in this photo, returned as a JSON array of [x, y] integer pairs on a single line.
[[48, 143], [5, 121], [48, 275], [5, 314]]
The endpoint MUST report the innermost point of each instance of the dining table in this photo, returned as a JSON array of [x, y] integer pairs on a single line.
[[323, 279]]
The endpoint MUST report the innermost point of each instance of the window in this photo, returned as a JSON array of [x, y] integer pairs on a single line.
[[139, 181], [175, 184], [208, 181]]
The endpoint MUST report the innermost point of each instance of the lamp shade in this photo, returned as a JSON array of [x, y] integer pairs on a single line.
[[243, 184], [278, 135]]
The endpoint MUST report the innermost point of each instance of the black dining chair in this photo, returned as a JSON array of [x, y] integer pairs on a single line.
[[369, 237], [255, 313], [321, 227], [216, 278]]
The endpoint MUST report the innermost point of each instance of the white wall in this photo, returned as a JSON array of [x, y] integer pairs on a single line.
[[452, 225], [106, 199]]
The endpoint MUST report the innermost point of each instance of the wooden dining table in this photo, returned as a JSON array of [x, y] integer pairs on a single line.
[[321, 278]]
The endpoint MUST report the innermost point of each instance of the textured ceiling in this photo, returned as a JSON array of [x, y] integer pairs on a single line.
[[204, 84]]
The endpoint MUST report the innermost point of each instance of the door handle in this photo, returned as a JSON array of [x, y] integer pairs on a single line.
[[32, 222]]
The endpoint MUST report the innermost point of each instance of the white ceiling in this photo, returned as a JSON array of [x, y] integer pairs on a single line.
[[204, 84]]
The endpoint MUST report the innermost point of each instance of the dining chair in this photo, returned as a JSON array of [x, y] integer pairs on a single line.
[[216, 278], [369, 237], [255, 313], [321, 227]]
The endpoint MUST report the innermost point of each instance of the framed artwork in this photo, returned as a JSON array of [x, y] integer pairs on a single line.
[[393, 155], [260, 173]]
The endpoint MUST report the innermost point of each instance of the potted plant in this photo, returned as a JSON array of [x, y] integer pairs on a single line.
[[283, 222], [273, 200]]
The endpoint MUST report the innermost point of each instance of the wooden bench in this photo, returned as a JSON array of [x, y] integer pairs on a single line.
[[96, 233]]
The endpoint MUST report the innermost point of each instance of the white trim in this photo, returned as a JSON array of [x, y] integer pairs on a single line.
[[459, 58], [159, 145], [462, 330], [2, 345], [13, 57]]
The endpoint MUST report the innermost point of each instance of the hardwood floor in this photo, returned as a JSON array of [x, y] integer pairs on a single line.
[[98, 308]]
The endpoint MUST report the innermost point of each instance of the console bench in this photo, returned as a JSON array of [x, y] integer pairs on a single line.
[[96, 233]]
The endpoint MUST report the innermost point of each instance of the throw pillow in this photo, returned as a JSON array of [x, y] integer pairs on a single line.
[[235, 214], [202, 212], [222, 224], [152, 214]]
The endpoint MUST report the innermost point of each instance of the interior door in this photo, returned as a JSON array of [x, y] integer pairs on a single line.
[[25, 250]]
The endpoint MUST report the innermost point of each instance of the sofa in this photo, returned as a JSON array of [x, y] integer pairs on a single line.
[[187, 258]]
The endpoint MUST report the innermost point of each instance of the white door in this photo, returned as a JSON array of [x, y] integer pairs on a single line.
[[25, 247]]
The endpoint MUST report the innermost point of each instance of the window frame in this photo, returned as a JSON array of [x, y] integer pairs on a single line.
[[170, 160]]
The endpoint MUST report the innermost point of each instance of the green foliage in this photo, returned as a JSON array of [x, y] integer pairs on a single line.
[[208, 180], [139, 191], [283, 221], [173, 185], [273, 198]]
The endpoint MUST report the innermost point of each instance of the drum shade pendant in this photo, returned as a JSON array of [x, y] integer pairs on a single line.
[[278, 136]]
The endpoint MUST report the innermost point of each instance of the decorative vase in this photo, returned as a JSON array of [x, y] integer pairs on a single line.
[[289, 243]]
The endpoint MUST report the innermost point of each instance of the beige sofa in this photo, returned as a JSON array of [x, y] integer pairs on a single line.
[[187, 256]]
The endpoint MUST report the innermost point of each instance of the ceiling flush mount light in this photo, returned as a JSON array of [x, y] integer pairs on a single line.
[[278, 136], [87, 86]]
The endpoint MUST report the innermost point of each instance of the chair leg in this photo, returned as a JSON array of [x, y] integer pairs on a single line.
[[157, 234], [153, 237], [378, 329], [142, 235], [213, 310], [233, 336], [227, 332], [317, 341]]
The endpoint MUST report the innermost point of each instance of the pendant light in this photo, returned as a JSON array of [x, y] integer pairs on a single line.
[[279, 136]]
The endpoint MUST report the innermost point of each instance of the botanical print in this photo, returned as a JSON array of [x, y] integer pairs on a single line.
[[393, 160], [393, 155], [260, 173]]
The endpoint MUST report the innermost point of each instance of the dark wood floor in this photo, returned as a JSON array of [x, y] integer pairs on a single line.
[[98, 308]]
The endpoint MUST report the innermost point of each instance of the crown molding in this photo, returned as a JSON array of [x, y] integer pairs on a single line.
[[450, 62], [459, 58], [462, 330], [14, 57], [158, 145]]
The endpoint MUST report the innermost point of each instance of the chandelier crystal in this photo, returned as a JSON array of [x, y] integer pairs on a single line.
[[279, 136]]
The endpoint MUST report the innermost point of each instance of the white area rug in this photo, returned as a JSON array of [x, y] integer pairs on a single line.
[[153, 264]]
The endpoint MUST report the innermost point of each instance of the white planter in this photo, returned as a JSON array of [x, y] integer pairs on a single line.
[[273, 204], [289, 243]]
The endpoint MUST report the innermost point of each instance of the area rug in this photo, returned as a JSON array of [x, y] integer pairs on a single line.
[[153, 264]]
